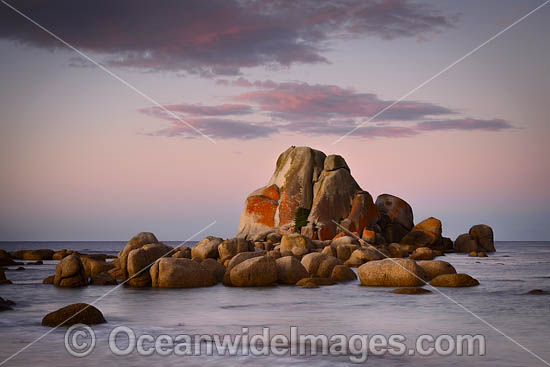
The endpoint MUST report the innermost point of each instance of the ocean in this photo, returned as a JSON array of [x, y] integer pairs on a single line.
[[499, 303]]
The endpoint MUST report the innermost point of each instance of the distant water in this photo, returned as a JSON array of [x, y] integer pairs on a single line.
[[348, 309]]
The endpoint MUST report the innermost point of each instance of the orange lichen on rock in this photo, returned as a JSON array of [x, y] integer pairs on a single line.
[[263, 208], [271, 192]]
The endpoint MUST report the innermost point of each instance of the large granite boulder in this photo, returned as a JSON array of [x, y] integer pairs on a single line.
[[434, 268], [255, 272], [392, 273], [207, 248], [139, 240], [170, 272], [214, 267], [364, 213], [333, 195], [77, 313], [483, 235], [70, 272], [290, 270], [141, 259], [396, 217], [296, 170], [236, 260], [425, 234]]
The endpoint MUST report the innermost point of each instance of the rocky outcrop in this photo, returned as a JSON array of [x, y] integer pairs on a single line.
[[434, 268], [454, 280], [391, 273], [78, 313], [483, 235], [479, 239], [396, 217], [255, 272], [70, 272], [290, 188], [290, 270], [170, 272]]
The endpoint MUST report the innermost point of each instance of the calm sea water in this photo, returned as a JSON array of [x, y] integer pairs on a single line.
[[347, 309]]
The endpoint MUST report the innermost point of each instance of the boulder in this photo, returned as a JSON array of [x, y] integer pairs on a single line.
[[274, 237], [396, 251], [411, 290], [78, 313], [344, 240], [139, 240], [454, 280], [343, 252], [364, 254], [422, 253], [170, 272], [425, 234], [316, 282], [465, 244], [239, 258], [231, 247], [141, 259], [342, 273], [182, 252], [483, 235], [292, 241], [48, 280], [70, 272], [538, 292], [368, 236], [396, 217], [214, 267], [207, 248], [481, 254], [434, 268], [364, 213], [255, 272], [259, 211], [290, 270], [472, 254], [333, 196], [319, 265], [391, 273]]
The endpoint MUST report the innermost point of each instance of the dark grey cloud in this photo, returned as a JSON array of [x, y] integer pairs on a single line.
[[215, 37], [467, 124]]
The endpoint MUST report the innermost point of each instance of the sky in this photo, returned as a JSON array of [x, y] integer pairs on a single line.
[[219, 89]]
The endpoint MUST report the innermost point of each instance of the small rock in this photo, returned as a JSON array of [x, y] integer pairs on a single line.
[[316, 281], [538, 292]]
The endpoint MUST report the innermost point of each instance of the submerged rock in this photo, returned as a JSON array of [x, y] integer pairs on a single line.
[[411, 290], [78, 313], [454, 280]]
